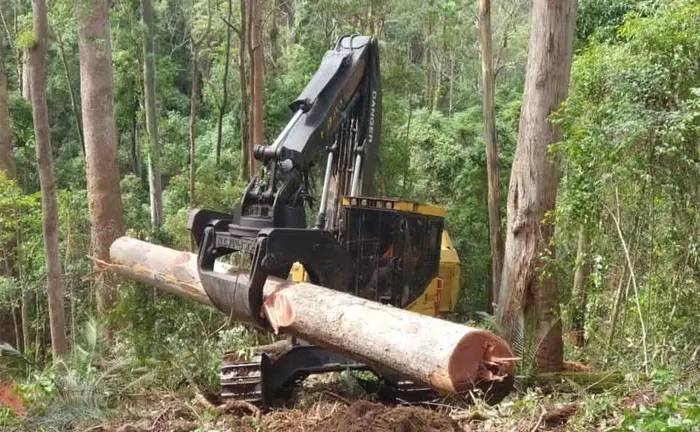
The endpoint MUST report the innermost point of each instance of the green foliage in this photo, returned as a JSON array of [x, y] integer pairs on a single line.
[[631, 122], [673, 413]]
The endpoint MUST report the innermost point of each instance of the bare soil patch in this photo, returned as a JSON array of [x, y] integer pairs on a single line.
[[10, 399], [365, 416]]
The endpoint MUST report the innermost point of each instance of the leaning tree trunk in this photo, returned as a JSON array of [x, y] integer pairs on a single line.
[[71, 92], [579, 292], [49, 204], [101, 164], [528, 302], [194, 95], [393, 340], [257, 134], [224, 91], [195, 46], [494, 196], [149, 90]]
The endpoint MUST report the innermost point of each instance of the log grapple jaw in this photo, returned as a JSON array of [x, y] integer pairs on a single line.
[[271, 252]]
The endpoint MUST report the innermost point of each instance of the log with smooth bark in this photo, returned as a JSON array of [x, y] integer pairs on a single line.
[[448, 357]]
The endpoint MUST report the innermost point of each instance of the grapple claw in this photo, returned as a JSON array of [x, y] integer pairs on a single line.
[[272, 252]]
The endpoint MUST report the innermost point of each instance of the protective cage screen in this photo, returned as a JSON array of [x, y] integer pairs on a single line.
[[395, 254]]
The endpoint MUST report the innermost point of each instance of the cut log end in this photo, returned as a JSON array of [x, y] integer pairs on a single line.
[[479, 356], [279, 310]]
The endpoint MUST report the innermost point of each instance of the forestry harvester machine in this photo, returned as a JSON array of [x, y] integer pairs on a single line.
[[391, 251]]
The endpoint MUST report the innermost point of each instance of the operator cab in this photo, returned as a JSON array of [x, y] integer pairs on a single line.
[[395, 246]]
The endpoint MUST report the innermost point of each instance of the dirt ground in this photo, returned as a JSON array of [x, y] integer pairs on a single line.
[[318, 406], [323, 415], [326, 412], [8, 398], [364, 416]]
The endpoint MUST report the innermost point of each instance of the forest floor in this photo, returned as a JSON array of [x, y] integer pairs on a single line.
[[333, 406], [323, 410], [334, 403]]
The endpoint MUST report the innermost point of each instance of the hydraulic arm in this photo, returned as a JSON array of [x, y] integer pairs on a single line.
[[335, 125]]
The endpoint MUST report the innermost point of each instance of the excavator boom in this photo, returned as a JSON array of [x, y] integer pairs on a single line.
[[335, 124]]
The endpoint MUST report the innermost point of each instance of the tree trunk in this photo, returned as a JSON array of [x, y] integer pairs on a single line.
[[26, 76], [245, 137], [49, 204], [275, 53], [224, 98], [149, 90], [395, 340], [528, 300], [492, 168], [101, 165], [195, 45], [256, 74], [135, 148], [194, 95], [7, 158], [579, 292], [8, 317], [289, 11], [619, 300], [71, 93], [438, 73], [450, 108], [428, 66]]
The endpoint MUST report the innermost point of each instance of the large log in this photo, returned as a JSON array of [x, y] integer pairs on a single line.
[[449, 357]]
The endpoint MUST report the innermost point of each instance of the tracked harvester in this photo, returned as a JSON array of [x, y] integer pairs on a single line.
[[391, 251]]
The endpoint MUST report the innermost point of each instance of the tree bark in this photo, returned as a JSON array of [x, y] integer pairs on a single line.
[[149, 91], [256, 74], [101, 165], [224, 97], [49, 204], [579, 292], [528, 300], [395, 340], [492, 168], [243, 78]]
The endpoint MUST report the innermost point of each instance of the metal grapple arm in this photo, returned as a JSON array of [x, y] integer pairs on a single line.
[[335, 124]]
